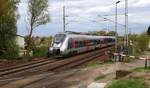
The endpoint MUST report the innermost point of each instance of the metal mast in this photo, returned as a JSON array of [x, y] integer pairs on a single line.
[[126, 23], [116, 35], [64, 19]]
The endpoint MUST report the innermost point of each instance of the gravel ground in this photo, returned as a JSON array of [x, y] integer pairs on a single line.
[[76, 77]]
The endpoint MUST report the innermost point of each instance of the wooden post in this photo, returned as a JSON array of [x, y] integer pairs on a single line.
[[145, 63]]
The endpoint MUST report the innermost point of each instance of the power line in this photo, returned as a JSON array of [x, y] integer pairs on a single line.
[[111, 20]]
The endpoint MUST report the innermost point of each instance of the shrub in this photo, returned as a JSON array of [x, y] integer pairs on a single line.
[[129, 83], [99, 77], [143, 42], [10, 53], [142, 69], [40, 51]]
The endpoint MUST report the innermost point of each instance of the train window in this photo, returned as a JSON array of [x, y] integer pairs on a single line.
[[81, 43], [102, 41], [94, 42], [91, 42], [99, 41], [59, 38], [106, 40], [76, 44], [73, 44], [114, 40], [84, 42], [69, 43], [110, 40]]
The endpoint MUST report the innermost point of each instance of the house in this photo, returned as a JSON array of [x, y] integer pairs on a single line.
[[21, 44]]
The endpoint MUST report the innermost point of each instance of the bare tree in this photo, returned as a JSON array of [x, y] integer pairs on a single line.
[[37, 15], [148, 31]]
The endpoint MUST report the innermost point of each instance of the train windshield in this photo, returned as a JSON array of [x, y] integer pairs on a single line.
[[59, 38]]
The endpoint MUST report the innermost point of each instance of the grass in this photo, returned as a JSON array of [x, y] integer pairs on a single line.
[[142, 69], [146, 52], [99, 63], [99, 77], [129, 83]]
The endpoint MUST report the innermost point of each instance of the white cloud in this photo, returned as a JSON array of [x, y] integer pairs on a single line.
[[86, 10], [22, 8], [139, 18], [142, 3], [99, 9]]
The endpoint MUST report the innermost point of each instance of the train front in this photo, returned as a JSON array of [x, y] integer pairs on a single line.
[[57, 45]]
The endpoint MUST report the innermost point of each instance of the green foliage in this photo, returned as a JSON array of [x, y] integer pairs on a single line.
[[111, 33], [129, 83], [40, 51], [148, 31], [142, 69], [8, 29], [8, 7], [37, 15], [101, 33], [46, 41], [99, 77], [38, 12], [143, 42], [140, 43]]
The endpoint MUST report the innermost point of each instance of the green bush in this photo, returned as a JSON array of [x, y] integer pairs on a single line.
[[99, 77], [143, 42], [142, 69], [140, 43], [129, 83], [10, 53], [40, 51]]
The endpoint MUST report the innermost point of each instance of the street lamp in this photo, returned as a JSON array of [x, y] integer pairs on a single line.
[[116, 42], [126, 24]]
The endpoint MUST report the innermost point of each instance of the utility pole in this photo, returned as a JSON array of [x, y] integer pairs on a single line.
[[116, 35], [126, 25], [64, 19]]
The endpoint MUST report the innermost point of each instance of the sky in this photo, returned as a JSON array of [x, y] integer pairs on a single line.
[[87, 15]]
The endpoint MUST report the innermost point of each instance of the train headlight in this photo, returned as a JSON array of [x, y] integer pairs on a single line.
[[50, 49]]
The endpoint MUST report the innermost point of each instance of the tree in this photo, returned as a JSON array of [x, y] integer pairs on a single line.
[[100, 33], [37, 15], [8, 29], [111, 33], [148, 31], [46, 41], [143, 41]]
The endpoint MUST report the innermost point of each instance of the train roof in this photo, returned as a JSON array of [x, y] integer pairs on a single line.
[[86, 36]]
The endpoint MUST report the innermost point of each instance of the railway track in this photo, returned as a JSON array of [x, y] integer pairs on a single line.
[[50, 65], [79, 61], [23, 67]]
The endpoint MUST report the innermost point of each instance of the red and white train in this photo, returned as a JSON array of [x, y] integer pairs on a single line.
[[65, 44]]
